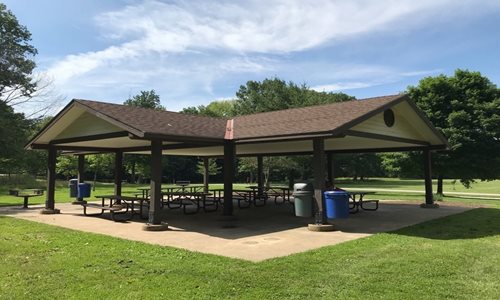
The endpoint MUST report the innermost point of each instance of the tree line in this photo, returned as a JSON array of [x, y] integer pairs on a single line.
[[465, 107]]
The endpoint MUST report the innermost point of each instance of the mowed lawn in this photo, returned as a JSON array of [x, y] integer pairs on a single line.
[[454, 257], [388, 184]]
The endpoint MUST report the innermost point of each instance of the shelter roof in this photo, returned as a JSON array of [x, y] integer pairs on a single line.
[[356, 125]]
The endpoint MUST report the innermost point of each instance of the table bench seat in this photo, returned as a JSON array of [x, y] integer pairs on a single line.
[[115, 209]]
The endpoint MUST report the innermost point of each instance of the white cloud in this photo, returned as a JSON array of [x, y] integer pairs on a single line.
[[371, 75], [181, 46]]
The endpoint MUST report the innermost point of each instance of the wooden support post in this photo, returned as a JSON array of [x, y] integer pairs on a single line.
[[319, 178], [229, 164], [118, 172], [81, 171], [429, 201], [51, 182], [329, 166], [260, 175], [81, 176], [155, 192], [205, 174]]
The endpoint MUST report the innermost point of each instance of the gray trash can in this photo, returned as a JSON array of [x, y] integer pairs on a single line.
[[303, 199], [73, 188]]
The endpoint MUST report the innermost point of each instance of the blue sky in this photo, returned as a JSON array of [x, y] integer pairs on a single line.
[[194, 52]]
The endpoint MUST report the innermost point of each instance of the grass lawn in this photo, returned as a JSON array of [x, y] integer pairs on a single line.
[[454, 257], [490, 187]]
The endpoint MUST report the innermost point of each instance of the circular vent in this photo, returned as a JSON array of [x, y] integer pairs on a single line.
[[389, 117]]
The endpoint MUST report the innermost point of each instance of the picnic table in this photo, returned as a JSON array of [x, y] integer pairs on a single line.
[[273, 191], [358, 202], [26, 194], [118, 205], [242, 196], [144, 192], [177, 199]]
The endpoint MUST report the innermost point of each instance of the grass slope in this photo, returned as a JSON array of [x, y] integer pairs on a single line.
[[453, 257]]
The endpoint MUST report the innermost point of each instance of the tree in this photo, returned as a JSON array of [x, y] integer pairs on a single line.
[[466, 108], [217, 109], [275, 94], [146, 99], [100, 164], [67, 166], [213, 168], [14, 129], [16, 65], [139, 164]]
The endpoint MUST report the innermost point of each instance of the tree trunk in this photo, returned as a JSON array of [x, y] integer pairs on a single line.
[[266, 177], [133, 172], [440, 185]]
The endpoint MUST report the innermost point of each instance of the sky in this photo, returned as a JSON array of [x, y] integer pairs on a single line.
[[195, 52]]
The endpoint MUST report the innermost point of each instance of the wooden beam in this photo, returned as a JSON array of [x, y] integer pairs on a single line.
[[74, 148], [384, 137], [428, 177], [166, 147], [260, 174], [81, 171], [51, 179], [86, 138], [179, 138], [205, 174], [329, 166], [118, 172], [319, 179], [288, 138], [229, 165], [156, 170]]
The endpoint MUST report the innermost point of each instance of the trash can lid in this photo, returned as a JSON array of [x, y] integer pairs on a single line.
[[303, 193], [73, 180], [335, 192], [303, 187]]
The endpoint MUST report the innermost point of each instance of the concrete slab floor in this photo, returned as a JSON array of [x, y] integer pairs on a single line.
[[255, 234]]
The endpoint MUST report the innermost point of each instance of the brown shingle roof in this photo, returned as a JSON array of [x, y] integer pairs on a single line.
[[164, 123], [308, 120]]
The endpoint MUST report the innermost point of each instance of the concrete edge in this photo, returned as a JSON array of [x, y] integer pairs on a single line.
[[321, 227], [163, 226]]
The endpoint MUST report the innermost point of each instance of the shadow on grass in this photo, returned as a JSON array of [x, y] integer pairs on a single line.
[[473, 224]]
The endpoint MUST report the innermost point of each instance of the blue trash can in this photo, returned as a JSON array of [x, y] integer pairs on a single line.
[[337, 204], [83, 190]]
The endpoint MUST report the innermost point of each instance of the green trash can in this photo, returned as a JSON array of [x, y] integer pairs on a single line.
[[303, 199]]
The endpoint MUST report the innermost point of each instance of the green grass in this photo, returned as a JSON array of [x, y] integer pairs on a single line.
[[62, 192], [454, 257], [491, 187]]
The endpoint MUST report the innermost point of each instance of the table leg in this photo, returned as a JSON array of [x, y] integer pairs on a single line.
[[25, 205]]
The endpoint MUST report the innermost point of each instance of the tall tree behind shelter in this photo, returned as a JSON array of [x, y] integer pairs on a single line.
[[466, 108]]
